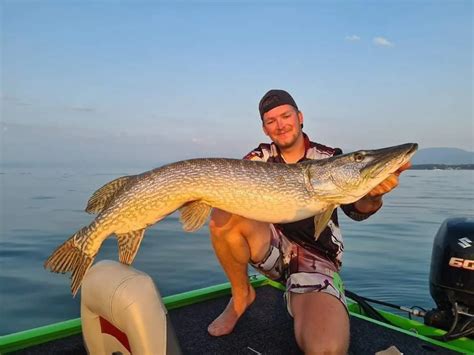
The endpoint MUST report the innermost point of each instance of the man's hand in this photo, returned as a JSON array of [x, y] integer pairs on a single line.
[[373, 200]]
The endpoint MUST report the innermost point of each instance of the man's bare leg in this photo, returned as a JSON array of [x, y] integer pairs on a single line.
[[321, 323], [236, 241]]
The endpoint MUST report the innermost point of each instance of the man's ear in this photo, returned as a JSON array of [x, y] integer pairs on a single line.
[[264, 129], [300, 117]]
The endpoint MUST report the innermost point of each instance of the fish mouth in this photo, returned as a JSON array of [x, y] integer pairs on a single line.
[[411, 150], [391, 158], [413, 147]]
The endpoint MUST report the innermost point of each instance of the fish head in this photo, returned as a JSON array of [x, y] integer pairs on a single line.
[[346, 178]]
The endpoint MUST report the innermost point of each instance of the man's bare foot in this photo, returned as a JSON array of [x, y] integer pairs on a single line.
[[226, 321]]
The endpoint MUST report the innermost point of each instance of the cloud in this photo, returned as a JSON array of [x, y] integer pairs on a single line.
[[204, 142], [16, 101], [352, 38], [13, 100], [81, 109], [382, 42]]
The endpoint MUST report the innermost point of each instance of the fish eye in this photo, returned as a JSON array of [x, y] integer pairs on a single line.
[[358, 157]]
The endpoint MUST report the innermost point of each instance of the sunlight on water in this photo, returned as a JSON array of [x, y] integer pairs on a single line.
[[387, 257]]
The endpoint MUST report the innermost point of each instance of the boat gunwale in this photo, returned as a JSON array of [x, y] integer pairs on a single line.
[[44, 334]]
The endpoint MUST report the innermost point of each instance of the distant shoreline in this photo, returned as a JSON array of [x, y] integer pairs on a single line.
[[442, 167], [413, 167]]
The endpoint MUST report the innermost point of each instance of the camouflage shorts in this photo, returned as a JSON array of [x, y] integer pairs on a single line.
[[300, 270]]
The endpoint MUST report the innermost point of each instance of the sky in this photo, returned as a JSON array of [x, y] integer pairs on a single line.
[[100, 83]]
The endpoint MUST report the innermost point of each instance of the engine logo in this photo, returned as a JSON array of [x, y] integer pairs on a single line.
[[462, 263], [465, 242]]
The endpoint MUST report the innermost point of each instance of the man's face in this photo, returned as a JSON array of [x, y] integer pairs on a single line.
[[283, 125]]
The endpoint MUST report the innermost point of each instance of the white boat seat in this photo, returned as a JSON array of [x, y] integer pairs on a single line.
[[122, 313]]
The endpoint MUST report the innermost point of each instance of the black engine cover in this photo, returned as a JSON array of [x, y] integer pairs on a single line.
[[452, 264]]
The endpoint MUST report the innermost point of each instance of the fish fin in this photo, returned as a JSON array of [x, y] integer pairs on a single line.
[[194, 215], [85, 262], [129, 244], [101, 198], [307, 179], [69, 257], [322, 220]]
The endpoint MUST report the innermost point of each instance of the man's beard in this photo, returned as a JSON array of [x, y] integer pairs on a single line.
[[287, 143]]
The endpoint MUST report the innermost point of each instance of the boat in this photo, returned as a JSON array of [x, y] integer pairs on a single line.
[[266, 327]]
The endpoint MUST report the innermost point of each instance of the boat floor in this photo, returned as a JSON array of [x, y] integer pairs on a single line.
[[266, 328]]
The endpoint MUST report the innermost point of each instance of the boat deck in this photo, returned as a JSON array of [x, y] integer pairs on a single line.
[[266, 328]]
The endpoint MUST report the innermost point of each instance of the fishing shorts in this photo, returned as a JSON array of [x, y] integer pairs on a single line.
[[299, 269]]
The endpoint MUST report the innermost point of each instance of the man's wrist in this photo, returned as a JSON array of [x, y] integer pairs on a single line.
[[374, 199], [369, 204]]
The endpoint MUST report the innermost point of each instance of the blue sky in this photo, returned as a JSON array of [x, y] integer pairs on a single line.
[[142, 83]]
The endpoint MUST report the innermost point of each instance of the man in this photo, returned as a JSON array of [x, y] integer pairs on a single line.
[[288, 252]]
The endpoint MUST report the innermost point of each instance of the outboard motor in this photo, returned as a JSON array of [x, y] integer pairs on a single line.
[[452, 278]]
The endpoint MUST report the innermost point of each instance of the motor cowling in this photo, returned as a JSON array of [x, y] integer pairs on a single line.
[[452, 263], [452, 271]]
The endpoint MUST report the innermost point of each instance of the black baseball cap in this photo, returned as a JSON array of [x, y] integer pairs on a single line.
[[275, 98]]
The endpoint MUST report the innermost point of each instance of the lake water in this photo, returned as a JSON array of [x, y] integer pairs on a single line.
[[387, 257]]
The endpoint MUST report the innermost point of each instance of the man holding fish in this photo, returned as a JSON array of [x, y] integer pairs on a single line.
[[296, 241], [298, 254]]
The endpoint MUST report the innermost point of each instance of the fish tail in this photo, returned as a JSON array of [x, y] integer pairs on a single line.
[[69, 257]]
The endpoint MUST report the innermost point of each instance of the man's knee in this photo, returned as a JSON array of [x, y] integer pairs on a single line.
[[240, 232], [321, 323], [222, 222], [312, 343]]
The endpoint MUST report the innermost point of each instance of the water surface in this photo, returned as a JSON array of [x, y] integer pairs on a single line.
[[387, 257]]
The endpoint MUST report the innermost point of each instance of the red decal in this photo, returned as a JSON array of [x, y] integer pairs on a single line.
[[109, 328]]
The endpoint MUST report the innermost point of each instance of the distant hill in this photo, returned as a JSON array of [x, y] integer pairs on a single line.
[[448, 156]]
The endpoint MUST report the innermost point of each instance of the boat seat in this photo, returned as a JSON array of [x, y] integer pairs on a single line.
[[122, 313]]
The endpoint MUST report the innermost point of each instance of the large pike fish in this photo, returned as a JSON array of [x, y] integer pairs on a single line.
[[268, 192]]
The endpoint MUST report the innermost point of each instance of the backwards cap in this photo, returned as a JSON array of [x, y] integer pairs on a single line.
[[275, 98]]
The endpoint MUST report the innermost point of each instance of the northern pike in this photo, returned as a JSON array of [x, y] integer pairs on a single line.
[[262, 191]]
